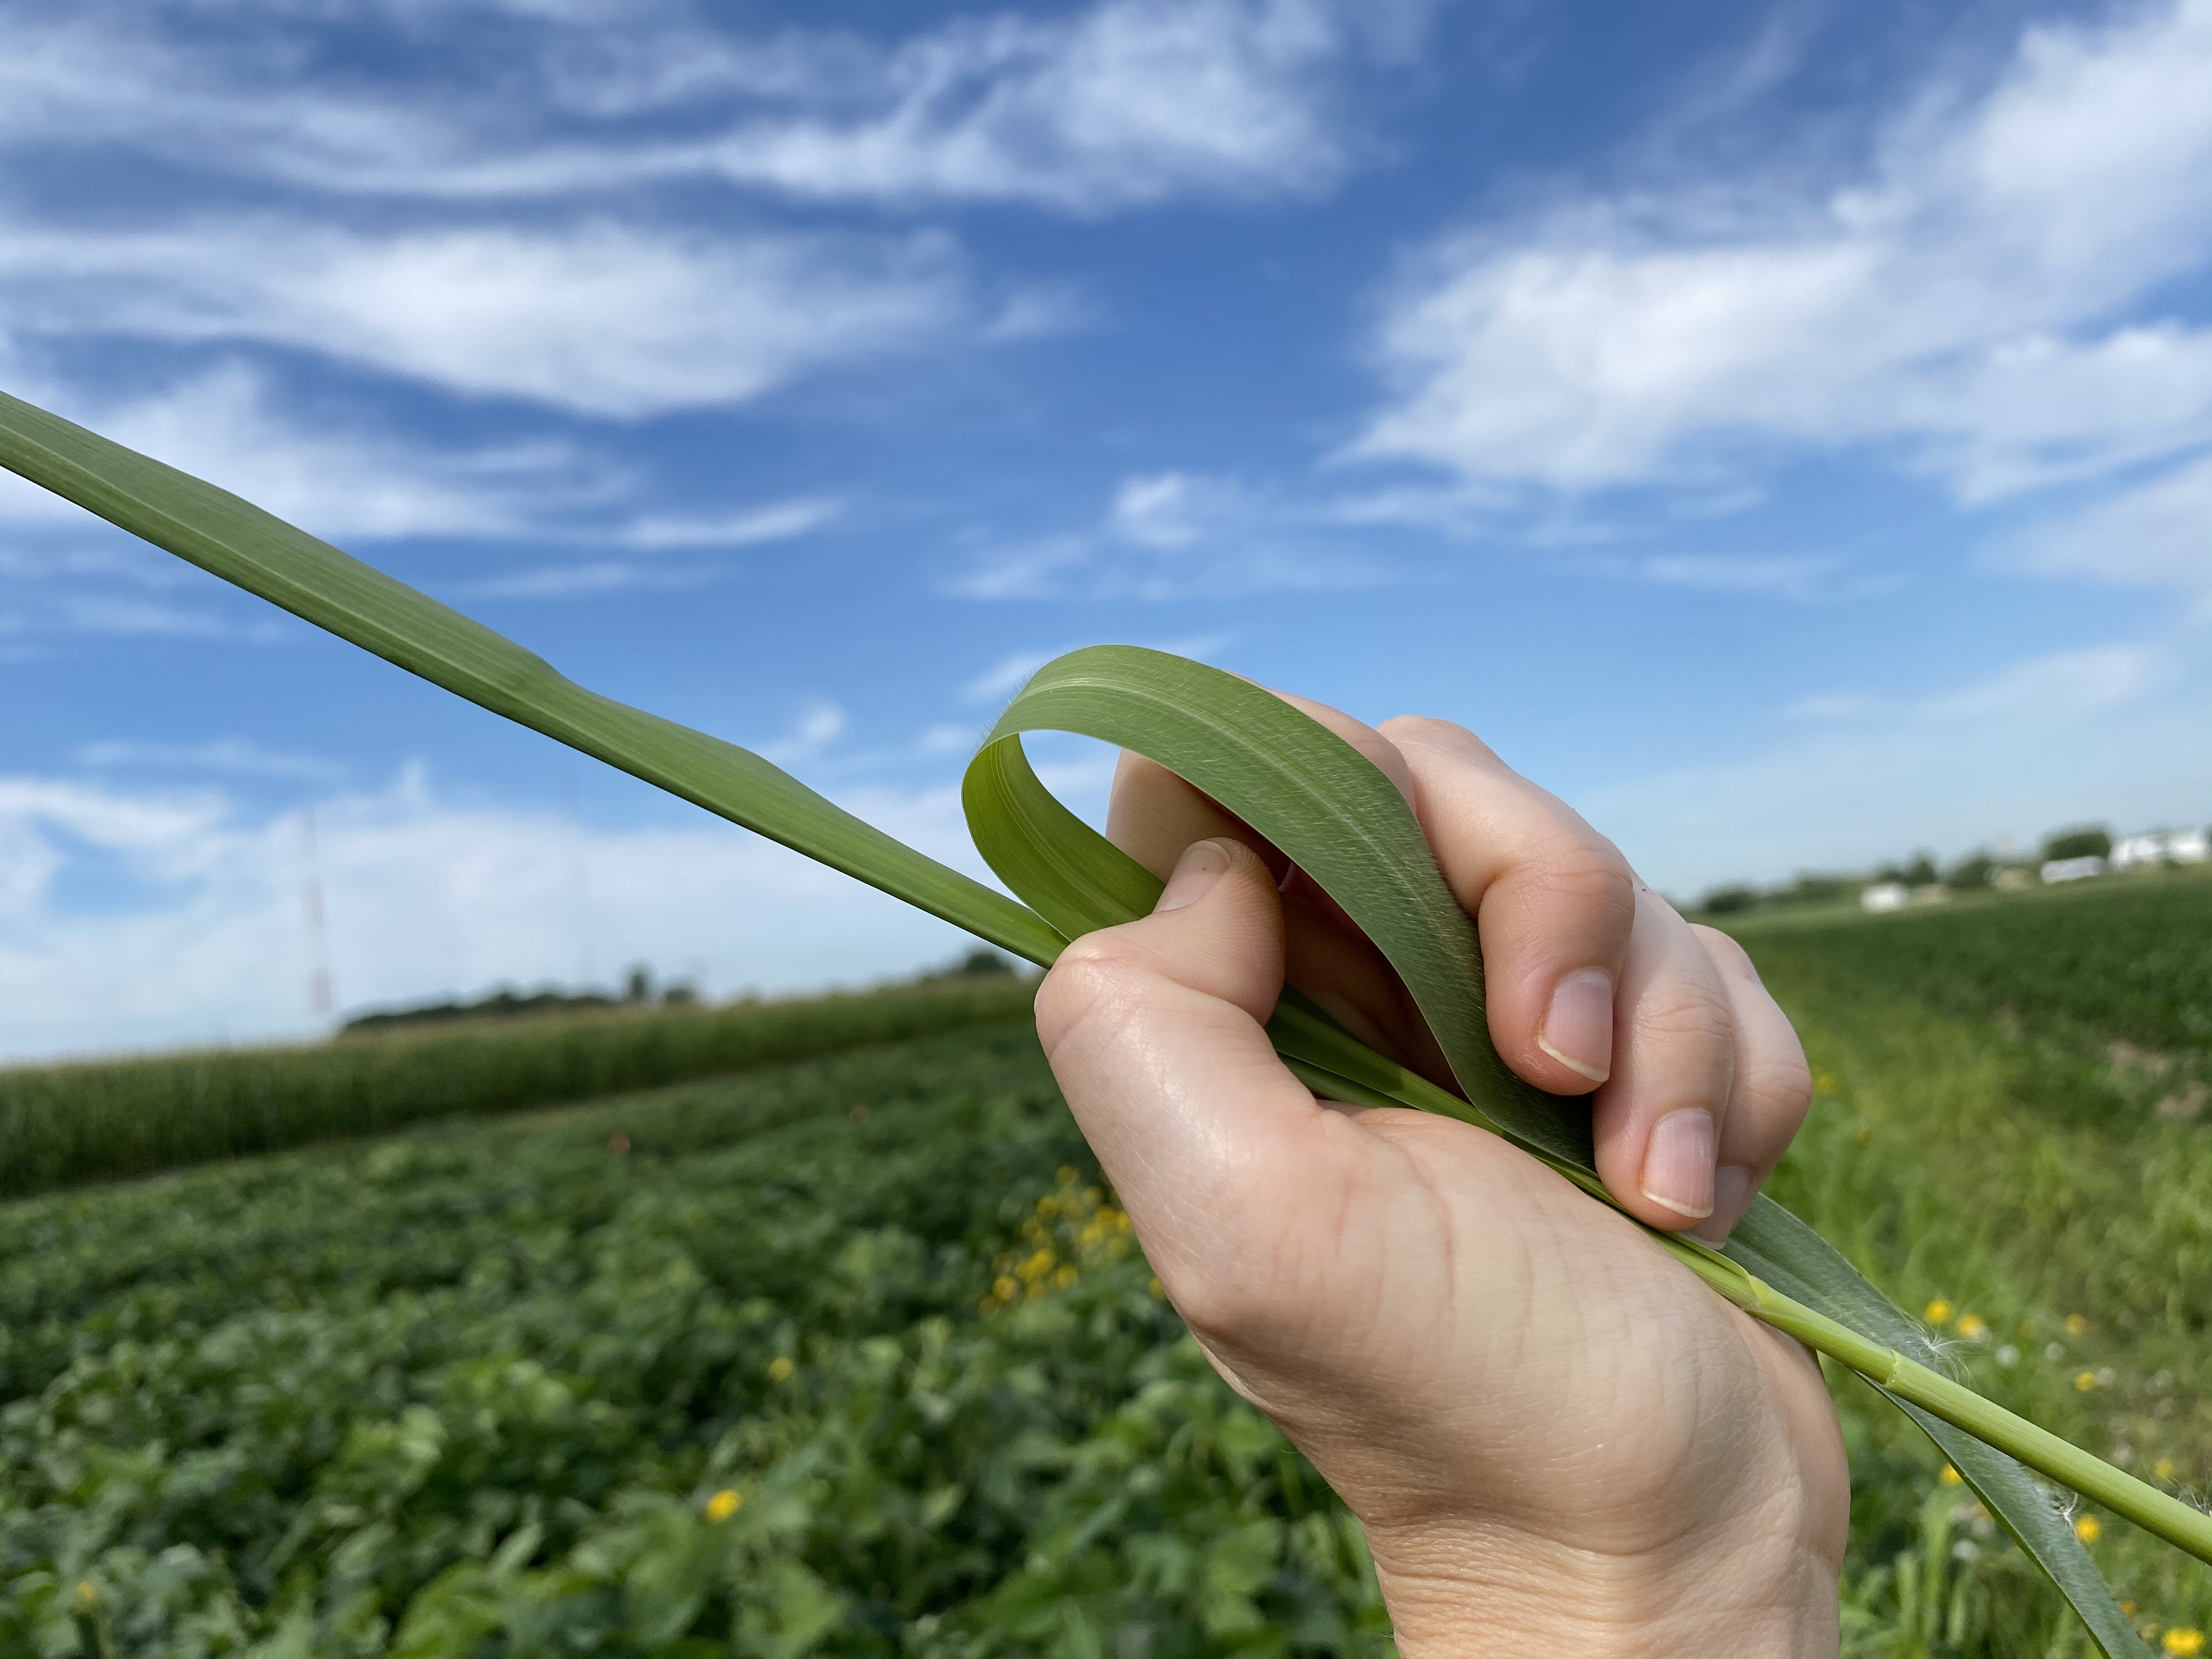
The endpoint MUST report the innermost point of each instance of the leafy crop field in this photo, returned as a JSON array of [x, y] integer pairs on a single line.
[[853, 1356]]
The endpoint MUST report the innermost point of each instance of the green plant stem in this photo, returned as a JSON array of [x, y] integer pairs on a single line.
[[2156, 1512]]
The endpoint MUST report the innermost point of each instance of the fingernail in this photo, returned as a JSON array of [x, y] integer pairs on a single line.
[[1678, 1168], [1731, 1191], [1578, 1027], [1202, 864]]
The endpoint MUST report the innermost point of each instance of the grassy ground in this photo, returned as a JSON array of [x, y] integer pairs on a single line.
[[2011, 1134], [850, 1356]]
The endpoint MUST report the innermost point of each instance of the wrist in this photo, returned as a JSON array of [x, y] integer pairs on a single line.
[[1748, 1592]]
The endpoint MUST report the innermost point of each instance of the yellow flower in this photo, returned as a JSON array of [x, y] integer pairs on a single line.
[[1937, 1312], [85, 1593], [1952, 1477], [2089, 1530], [781, 1367], [1066, 1276], [2085, 1380], [2075, 1324], [1972, 1329], [1006, 1289], [1158, 1288], [2182, 1641], [724, 1504], [1824, 1083], [2163, 1468], [1066, 1175]]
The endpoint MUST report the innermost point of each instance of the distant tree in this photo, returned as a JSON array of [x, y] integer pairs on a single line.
[[982, 960], [638, 986], [1890, 872], [1727, 900], [2081, 840], [1815, 887], [1975, 870], [681, 995], [1921, 872]]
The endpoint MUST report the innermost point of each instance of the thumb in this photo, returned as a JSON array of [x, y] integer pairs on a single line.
[[1154, 1029]]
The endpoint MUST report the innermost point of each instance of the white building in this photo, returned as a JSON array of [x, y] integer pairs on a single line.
[[1884, 896], [2162, 847], [2073, 869]]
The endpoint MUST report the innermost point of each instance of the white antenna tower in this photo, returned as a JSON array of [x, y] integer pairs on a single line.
[[319, 999]]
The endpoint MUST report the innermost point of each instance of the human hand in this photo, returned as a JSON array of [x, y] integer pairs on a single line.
[[1551, 1431]]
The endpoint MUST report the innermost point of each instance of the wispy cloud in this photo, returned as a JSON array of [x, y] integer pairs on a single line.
[[240, 755], [1005, 677], [602, 317], [821, 724], [123, 616], [1172, 535], [200, 933], [775, 522], [341, 478], [1801, 577], [1118, 104], [583, 581], [2155, 534], [1953, 306]]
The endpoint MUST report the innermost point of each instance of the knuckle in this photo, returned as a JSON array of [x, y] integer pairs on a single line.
[[1725, 951], [1585, 867], [1427, 731], [1687, 1012], [1099, 974], [1778, 1087]]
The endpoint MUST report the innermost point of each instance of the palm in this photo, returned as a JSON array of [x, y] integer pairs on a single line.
[[1498, 1295]]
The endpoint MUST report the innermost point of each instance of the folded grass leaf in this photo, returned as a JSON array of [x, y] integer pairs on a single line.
[[1312, 795]]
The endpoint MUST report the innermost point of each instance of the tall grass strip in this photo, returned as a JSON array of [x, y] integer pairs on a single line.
[[103, 1120]]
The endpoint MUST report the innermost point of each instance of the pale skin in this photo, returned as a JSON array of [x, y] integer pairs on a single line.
[[1558, 1440]]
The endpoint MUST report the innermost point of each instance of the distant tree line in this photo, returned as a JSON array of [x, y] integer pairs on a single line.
[[639, 991], [1977, 869], [505, 1003]]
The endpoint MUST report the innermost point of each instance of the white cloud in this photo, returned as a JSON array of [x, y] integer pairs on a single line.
[[1173, 535], [201, 938], [1121, 103], [777, 521], [602, 318], [821, 724], [341, 481], [1956, 305], [35, 615], [585, 581], [1781, 575], [1005, 676], [2112, 732], [240, 756], [2158, 534]]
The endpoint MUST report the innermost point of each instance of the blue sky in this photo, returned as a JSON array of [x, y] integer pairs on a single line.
[[1786, 434]]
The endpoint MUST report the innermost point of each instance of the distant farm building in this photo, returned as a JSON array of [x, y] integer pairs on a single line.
[[2162, 847]]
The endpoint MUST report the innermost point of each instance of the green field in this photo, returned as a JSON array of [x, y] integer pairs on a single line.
[[851, 1355]]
